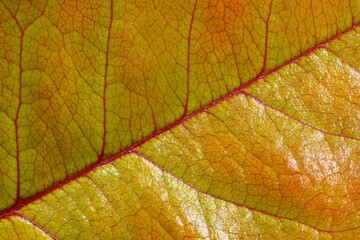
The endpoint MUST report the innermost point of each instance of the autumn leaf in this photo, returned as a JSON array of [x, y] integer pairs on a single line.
[[171, 120]]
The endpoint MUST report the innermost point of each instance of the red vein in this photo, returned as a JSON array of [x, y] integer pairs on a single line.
[[188, 60], [16, 122], [16, 207], [266, 39], [352, 14], [341, 58], [295, 119], [13, 16], [105, 78], [36, 225]]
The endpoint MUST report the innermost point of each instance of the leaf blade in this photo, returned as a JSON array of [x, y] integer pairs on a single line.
[[96, 140]]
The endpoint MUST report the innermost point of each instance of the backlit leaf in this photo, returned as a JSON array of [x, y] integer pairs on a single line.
[[168, 119]]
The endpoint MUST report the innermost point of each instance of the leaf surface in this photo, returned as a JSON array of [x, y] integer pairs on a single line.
[[200, 119]]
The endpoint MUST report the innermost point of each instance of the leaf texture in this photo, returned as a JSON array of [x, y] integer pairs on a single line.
[[171, 120]]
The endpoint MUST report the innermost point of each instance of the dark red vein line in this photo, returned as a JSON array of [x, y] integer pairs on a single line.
[[105, 79], [36, 18], [16, 20], [295, 59], [341, 58], [352, 14], [266, 40], [139, 153], [17, 8], [154, 5], [36, 225], [16, 122], [188, 60], [293, 118], [16, 207], [12, 16]]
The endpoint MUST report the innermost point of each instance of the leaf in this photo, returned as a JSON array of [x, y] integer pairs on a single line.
[[200, 119]]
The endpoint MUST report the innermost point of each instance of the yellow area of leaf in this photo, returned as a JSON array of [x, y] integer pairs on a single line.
[[57, 113], [241, 169], [9, 71], [248, 152], [82, 80], [150, 204], [320, 90], [18, 228], [85, 79], [347, 47]]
